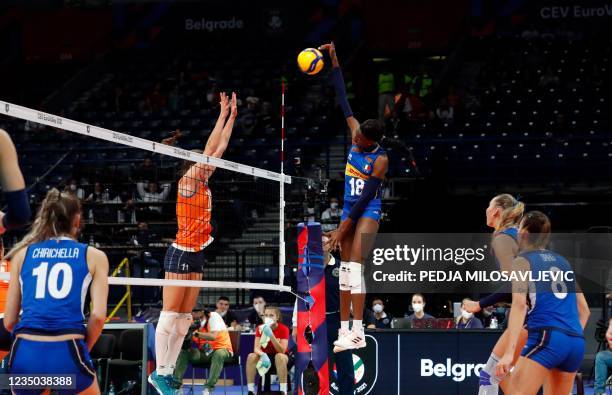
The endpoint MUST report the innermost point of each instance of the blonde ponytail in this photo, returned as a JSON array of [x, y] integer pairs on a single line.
[[512, 211]]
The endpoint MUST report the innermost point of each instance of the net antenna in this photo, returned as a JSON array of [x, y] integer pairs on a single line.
[[281, 206]]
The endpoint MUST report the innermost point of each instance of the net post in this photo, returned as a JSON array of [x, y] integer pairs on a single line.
[[281, 205]]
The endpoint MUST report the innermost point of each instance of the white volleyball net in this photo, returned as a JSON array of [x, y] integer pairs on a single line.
[[141, 197]]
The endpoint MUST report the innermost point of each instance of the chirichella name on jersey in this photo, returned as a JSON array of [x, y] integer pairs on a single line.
[[55, 253]]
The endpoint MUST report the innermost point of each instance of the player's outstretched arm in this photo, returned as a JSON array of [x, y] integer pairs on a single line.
[[98, 262], [517, 316], [201, 171], [226, 132], [215, 136], [340, 88], [13, 184], [10, 174]]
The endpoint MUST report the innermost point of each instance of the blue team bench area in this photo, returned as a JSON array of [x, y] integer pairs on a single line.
[[411, 361]]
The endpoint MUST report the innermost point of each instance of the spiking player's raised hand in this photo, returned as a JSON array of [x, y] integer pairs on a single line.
[[331, 48]]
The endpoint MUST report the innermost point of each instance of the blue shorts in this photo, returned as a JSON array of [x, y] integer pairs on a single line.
[[180, 261], [373, 210], [69, 357], [555, 349]]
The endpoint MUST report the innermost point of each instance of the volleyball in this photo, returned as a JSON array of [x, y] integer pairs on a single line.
[[310, 61]]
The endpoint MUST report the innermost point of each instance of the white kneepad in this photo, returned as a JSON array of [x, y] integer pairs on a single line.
[[344, 277], [166, 322], [183, 323], [356, 280]]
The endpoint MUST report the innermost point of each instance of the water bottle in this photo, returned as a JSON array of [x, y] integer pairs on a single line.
[[246, 325], [493, 324], [111, 390], [91, 241]]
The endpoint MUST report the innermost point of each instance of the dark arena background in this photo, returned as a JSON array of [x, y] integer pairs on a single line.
[[477, 98]]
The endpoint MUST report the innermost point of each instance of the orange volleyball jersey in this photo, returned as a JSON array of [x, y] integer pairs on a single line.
[[4, 284], [193, 213]]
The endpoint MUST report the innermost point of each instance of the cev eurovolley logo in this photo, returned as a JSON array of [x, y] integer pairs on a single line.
[[365, 368]]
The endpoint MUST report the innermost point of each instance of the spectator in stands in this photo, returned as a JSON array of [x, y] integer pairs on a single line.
[[603, 362], [213, 346], [445, 112], [143, 236], [153, 194], [147, 171], [418, 306], [99, 194], [298, 170], [548, 79], [223, 309], [381, 320], [425, 83], [386, 90], [275, 337], [73, 189], [331, 216], [259, 305], [410, 80], [467, 320]]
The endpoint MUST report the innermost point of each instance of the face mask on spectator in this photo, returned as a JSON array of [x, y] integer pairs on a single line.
[[269, 321], [377, 308], [487, 312], [417, 307], [466, 314], [334, 205], [259, 308], [73, 187]]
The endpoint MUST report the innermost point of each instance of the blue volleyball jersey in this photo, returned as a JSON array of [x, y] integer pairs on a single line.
[[512, 232], [553, 303], [359, 167], [54, 281]]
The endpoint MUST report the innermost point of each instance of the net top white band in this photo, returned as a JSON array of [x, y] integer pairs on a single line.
[[55, 121], [156, 282]]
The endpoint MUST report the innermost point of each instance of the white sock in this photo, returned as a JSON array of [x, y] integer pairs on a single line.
[[357, 325], [162, 334], [489, 382], [251, 387], [344, 325], [176, 338], [283, 387]]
